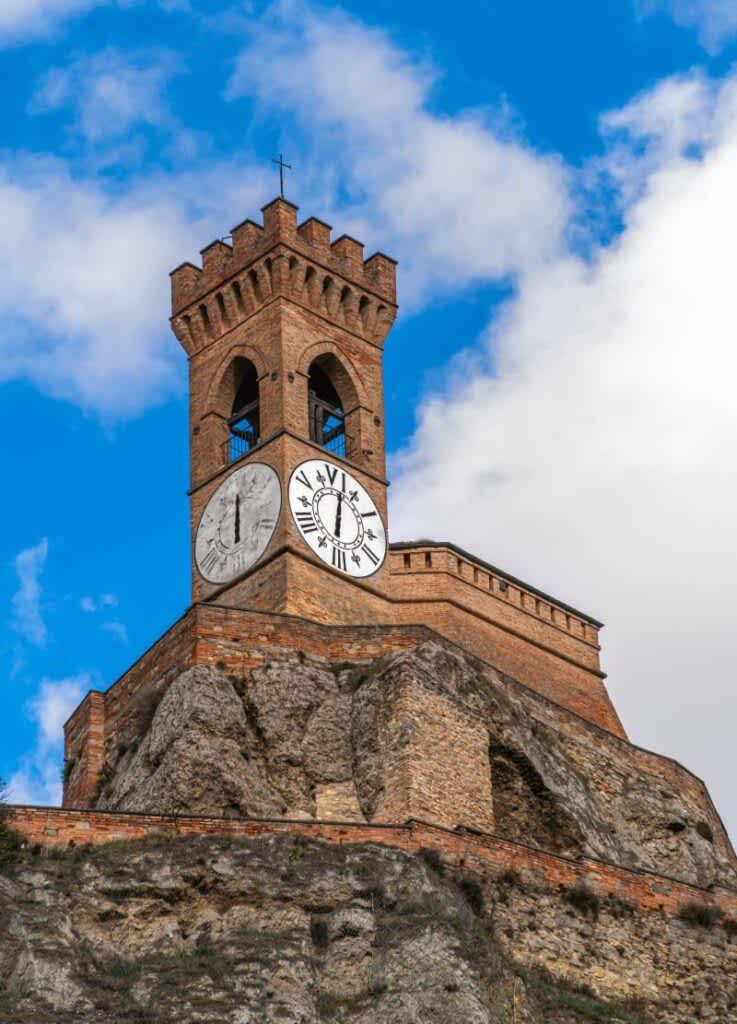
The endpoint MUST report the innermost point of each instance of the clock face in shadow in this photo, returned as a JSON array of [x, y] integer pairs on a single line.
[[337, 518], [238, 522]]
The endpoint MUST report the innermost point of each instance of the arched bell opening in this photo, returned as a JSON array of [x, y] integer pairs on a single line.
[[332, 405], [243, 421]]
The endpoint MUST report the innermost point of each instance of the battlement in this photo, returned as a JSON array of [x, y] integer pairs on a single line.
[[282, 258]]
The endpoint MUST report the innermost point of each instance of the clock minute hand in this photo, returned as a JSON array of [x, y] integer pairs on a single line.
[[338, 515]]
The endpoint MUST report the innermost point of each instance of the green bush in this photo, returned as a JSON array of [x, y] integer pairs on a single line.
[[474, 894], [319, 933], [705, 831], [583, 899], [700, 914], [10, 840], [432, 859]]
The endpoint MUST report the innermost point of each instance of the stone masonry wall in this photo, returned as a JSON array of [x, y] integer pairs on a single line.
[[237, 642], [425, 734], [646, 891]]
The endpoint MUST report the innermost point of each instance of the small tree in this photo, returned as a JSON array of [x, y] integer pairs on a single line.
[[10, 840]]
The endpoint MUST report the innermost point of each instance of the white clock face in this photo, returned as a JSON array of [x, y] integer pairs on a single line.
[[238, 522], [337, 518]]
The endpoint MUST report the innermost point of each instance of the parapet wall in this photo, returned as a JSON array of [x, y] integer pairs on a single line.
[[282, 258], [482, 852]]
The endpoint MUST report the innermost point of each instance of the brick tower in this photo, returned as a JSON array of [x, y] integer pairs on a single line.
[[284, 331]]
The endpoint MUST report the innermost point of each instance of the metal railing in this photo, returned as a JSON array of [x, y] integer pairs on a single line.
[[327, 427], [244, 431], [239, 444], [341, 445]]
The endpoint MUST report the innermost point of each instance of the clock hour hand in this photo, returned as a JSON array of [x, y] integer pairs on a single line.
[[338, 515]]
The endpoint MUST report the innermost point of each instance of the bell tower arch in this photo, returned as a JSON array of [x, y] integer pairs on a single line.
[[284, 331]]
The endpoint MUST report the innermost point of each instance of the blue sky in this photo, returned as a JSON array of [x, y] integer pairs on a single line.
[[557, 183]]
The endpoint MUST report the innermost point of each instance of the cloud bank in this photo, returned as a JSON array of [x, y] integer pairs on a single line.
[[39, 778], [461, 199], [26, 604], [715, 20], [85, 298], [23, 19]]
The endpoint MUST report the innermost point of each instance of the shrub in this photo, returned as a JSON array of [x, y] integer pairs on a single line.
[[10, 840], [471, 889], [700, 915], [319, 932], [705, 831], [144, 707], [432, 859], [510, 877], [583, 899]]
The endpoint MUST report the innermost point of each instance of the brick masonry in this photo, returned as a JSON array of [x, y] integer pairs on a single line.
[[485, 853], [281, 296]]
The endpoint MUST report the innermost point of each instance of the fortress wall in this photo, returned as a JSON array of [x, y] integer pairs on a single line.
[[237, 641], [485, 853]]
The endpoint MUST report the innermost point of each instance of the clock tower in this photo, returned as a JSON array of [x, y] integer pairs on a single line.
[[284, 329]]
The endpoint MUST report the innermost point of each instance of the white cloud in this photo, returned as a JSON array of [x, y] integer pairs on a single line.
[[459, 198], [590, 448], [85, 297], [27, 613], [110, 91], [116, 629], [38, 780], [715, 20], [20, 19], [90, 605]]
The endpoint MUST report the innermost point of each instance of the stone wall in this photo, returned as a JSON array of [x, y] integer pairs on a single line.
[[487, 854], [237, 640]]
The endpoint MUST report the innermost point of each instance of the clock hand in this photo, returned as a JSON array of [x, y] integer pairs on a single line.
[[338, 515], [237, 524]]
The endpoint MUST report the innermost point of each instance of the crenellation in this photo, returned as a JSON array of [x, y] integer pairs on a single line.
[[317, 234], [382, 271], [280, 219], [246, 237], [216, 258], [283, 259], [561, 617], [350, 250], [185, 284]]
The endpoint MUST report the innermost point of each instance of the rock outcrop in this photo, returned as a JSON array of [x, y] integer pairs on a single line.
[[282, 930], [302, 738]]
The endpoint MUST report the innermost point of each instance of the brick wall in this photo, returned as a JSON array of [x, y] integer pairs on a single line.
[[486, 853], [436, 762]]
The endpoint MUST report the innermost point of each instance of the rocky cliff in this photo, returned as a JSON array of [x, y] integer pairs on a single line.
[[282, 930], [309, 739]]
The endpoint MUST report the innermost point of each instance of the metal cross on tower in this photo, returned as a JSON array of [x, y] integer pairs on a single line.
[[281, 165]]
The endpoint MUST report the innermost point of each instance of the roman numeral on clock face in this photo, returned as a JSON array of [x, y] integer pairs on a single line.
[[303, 479], [306, 522], [331, 472], [339, 560], [210, 560], [370, 554]]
